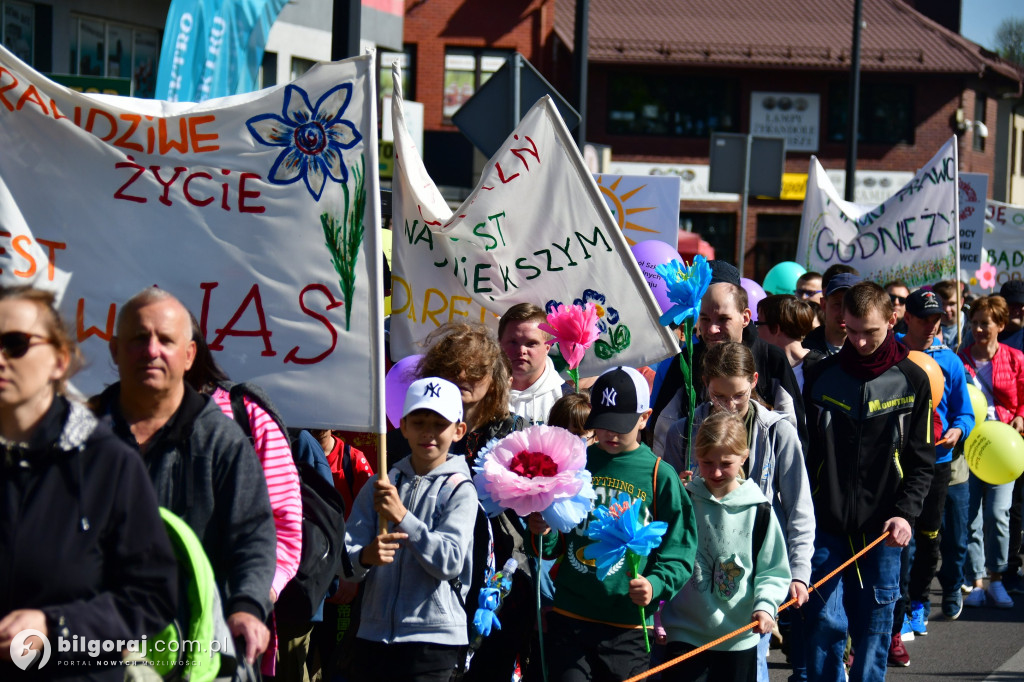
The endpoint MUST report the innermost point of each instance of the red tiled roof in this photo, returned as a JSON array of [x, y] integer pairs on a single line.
[[810, 34]]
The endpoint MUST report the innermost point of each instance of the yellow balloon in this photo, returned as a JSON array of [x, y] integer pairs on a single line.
[[978, 403], [995, 452]]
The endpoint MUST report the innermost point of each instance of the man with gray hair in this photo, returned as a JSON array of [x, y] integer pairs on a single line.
[[202, 465]]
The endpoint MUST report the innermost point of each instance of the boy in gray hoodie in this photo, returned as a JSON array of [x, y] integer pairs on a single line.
[[412, 624]]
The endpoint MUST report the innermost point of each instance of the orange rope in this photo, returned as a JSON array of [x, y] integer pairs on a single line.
[[750, 625]]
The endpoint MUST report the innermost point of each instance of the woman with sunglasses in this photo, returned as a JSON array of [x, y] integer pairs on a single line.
[[775, 462], [84, 549]]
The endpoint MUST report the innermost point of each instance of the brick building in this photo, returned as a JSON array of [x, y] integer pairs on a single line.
[[664, 74]]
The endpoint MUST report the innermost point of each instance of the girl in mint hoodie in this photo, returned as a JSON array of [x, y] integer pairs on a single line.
[[730, 586]]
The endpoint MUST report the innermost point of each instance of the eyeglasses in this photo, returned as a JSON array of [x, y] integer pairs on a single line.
[[807, 293], [14, 345], [902, 300]]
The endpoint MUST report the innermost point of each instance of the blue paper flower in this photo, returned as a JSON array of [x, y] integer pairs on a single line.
[[686, 285], [313, 138], [605, 315], [617, 529], [566, 513]]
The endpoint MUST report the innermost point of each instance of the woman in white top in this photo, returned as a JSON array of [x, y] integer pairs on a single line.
[[784, 320]]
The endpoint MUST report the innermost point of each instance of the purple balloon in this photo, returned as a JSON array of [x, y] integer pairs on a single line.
[[396, 383], [755, 294], [649, 255]]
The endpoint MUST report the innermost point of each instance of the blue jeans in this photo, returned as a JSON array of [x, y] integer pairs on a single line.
[[989, 514], [953, 540], [843, 604]]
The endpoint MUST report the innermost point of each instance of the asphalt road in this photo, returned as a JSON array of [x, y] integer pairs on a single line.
[[983, 645]]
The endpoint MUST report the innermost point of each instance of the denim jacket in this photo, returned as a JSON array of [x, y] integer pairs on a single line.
[[410, 600]]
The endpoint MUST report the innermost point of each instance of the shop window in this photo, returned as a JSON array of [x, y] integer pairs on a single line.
[[114, 50], [980, 109], [886, 113], [717, 229], [776, 242], [17, 33], [464, 72], [407, 62], [670, 106]]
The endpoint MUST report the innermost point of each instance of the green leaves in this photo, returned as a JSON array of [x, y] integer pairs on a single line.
[[344, 237], [620, 337]]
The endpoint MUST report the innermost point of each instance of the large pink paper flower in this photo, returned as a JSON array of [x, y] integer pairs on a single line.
[[533, 469], [575, 328]]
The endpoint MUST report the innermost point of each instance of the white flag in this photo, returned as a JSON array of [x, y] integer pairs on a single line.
[[259, 211], [536, 229], [912, 236]]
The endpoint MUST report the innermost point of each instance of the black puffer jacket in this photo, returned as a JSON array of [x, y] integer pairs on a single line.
[[81, 539]]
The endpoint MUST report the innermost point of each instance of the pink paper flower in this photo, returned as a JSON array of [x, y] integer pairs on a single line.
[[986, 276], [533, 469], [575, 328]]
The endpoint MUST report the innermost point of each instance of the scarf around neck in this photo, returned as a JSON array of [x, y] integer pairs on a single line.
[[866, 368]]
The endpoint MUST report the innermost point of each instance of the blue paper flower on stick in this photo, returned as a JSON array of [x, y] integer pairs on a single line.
[[313, 138], [686, 286], [618, 529]]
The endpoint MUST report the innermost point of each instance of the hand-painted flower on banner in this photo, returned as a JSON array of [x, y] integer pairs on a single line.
[[313, 138]]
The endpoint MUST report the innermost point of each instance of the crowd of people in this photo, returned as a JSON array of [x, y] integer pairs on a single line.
[[813, 433]]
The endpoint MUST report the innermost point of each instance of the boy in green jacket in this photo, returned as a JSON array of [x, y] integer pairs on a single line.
[[594, 631]]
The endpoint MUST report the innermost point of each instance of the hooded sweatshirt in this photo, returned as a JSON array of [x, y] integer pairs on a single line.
[[534, 403], [720, 596], [410, 600], [776, 464]]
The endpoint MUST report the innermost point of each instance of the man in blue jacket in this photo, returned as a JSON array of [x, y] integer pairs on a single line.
[[923, 317]]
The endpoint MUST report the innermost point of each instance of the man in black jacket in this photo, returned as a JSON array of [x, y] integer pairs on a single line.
[[829, 337], [202, 466], [870, 459], [725, 316]]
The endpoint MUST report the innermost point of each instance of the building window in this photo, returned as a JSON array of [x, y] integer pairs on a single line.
[[111, 50], [18, 29], [267, 75], [670, 106], [406, 61], [717, 229], [464, 72], [301, 66], [776, 241], [1013, 150], [980, 109], [886, 113]]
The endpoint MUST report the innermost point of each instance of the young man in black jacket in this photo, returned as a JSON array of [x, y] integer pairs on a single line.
[[870, 458]]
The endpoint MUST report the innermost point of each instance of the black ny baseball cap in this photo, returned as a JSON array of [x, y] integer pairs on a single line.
[[618, 398]]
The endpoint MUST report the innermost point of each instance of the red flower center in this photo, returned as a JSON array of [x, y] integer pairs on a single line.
[[531, 464]]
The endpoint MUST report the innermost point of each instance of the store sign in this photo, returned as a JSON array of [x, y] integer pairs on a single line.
[[694, 177], [792, 115], [873, 187]]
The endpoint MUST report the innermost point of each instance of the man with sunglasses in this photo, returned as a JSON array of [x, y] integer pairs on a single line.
[[203, 467], [898, 292], [808, 287]]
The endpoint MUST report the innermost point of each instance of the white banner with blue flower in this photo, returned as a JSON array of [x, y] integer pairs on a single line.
[[536, 229], [259, 211]]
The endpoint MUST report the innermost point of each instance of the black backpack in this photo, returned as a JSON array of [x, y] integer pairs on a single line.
[[323, 521]]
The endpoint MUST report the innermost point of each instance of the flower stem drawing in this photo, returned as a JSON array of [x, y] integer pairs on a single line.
[[344, 237]]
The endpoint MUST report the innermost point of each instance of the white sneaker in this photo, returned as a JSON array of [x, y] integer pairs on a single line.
[[975, 598], [966, 589], [998, 596]]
